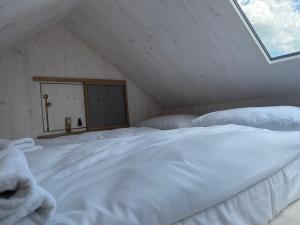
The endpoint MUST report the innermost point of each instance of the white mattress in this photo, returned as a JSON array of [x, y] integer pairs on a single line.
[[257, 205], [178, 175]]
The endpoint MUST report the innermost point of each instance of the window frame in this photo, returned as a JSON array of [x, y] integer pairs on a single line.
[[258, 39]]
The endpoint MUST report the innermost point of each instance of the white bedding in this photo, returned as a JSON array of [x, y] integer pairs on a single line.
[[97, 135], [161, 178], [280, 118], [256, 205], [169, 122]]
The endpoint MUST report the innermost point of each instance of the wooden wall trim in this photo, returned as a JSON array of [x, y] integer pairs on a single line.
[[78, 80], [109, 127]]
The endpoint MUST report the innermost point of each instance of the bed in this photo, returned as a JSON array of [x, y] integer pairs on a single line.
[[218, 175], [96, 135], [234, 167]]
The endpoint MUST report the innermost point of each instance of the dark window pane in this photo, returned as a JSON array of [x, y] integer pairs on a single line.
[[106, 105]]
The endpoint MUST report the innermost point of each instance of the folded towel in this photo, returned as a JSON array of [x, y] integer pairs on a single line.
[[38, 210], [22, 200], [16, 181], [22, 143]]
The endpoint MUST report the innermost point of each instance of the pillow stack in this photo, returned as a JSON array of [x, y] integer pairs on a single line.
[[278, 118], [169, 122]]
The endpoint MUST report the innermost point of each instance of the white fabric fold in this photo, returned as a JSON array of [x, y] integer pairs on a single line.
[[38, 210], [33, 148], [159, 178], [16, 181], [22, 200], [22, 143]]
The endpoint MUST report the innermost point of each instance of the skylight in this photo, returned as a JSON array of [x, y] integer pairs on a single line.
[[275, 24]]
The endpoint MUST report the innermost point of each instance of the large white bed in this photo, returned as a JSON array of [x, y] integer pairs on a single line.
[[220, 175]]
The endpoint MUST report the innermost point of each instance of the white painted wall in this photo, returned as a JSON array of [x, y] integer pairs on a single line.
[[55, 52], [292, 100]]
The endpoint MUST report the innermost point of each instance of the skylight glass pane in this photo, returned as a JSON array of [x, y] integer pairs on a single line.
[[276, 24]]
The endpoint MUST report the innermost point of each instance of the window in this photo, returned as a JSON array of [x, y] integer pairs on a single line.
[[275, 24], [106, 105]]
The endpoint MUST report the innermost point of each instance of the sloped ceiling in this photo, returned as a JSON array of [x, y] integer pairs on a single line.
[[181, 52], [20, 19]]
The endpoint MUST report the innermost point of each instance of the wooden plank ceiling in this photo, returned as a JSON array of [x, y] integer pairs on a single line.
[[20, 19], [181, 52]]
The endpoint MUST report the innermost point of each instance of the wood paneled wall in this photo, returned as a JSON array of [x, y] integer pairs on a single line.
[[21, 19], [183, 53], [55, 52], [292, 100]]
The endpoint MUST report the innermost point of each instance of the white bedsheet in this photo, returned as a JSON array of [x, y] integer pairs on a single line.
[[161, 178], [97, 135], [257, 205]]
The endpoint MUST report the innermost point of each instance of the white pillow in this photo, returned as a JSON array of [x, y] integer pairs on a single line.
[[280, 118], [169, 122]]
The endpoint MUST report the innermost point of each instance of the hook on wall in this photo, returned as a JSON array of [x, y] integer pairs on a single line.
[[47, 105]]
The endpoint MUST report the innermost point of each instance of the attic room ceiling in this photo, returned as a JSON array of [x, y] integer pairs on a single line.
[[20, 19], [180, 52], [183, 52]]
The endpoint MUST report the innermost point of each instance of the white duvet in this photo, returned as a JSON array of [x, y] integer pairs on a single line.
[[96, 135], [160, 178]]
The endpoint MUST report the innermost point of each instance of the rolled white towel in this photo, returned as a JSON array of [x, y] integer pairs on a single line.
[[38, 210], [22, 200], [16, 181], [22, 143]]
